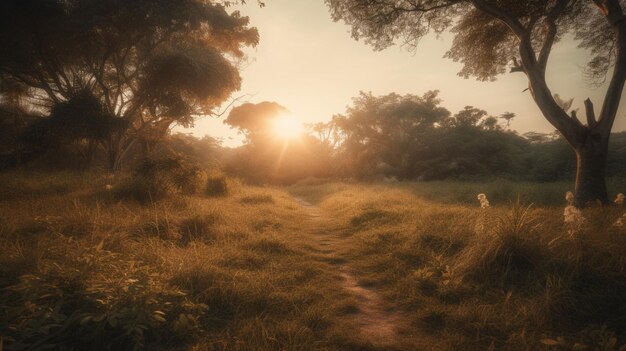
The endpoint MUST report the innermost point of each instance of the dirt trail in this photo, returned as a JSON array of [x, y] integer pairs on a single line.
[[378, 325]]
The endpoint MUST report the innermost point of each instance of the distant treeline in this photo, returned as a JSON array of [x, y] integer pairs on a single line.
[[393, 136], [460, 153]]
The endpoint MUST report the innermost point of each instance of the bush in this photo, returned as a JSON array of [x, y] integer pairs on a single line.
[[216, 185], [96, 300], [200, 228], [508, 251], [154, 179]]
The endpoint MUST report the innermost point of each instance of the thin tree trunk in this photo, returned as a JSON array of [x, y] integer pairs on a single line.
[[113, 157]]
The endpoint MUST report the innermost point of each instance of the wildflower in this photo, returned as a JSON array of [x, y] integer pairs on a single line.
[[572, 216], [573, 219], [481, 220], [484, 202], [619, 200], [569, 198], [620, 221], [108, 187]]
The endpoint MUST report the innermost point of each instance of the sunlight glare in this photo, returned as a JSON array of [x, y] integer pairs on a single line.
[[287, 127]]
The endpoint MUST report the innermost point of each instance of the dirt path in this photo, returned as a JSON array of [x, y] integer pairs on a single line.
[[377, 324]]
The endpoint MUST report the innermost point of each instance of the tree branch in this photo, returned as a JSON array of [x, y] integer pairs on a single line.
[[570, 127], [615, 16], [494, 11], [551, 31], [591, 115], [575, 119]]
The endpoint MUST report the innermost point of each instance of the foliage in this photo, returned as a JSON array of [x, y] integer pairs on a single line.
[[491, 36], [414, 137], [154, 179], [146, 64], [255, 120], [483, 43], [99, 300], [386, 129], [268, 157]]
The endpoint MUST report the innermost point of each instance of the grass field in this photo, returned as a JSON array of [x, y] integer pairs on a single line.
[[331, 266]]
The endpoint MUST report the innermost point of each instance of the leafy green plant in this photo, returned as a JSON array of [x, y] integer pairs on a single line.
[[96, 299], [154, 179]]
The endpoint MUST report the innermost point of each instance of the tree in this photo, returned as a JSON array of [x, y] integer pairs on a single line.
[[413, 136], [381, 131], [508, 117], [81, 119], [149, 63], [255, 120], [267, 156], [491, 35]]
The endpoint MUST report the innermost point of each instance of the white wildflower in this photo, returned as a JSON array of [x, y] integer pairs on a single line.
[[619, 200], [484, 202], [481, 220], [620, 221], [572, 218], [572, 215], [569, 198]]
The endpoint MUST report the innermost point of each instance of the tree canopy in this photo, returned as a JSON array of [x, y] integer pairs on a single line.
[[410, 136], [150, 63], [254, 120]]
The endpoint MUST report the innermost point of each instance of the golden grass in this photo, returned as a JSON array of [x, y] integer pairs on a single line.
[[520, 281], [82, 269]]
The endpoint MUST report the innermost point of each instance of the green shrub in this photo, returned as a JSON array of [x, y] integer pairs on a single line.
[[95, 300], [154, 179]]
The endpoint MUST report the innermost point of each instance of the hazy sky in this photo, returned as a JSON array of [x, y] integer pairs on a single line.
[[313, 67]]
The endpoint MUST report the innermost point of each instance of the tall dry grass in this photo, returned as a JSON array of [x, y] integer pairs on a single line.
[[84, 268], [517, 281]]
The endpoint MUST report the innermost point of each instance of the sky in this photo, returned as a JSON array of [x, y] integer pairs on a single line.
[[313, 67]]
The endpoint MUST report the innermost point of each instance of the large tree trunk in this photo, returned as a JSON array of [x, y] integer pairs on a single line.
[[591, 158]]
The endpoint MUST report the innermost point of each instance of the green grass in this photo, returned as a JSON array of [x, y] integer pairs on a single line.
[[499, 191], [83, 269]]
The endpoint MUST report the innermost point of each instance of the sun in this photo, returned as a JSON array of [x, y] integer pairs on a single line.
[[287, 127]]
